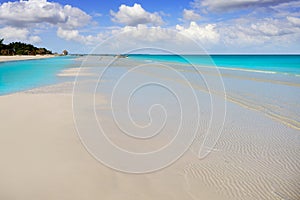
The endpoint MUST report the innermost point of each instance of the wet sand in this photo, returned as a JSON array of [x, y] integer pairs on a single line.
[[18, 58]]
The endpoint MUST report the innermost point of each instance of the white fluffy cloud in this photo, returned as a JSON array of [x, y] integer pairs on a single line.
[[24, 13], [285, 8], [19, 18], [12, 34], [204, 34], [143, 33], [75, 17], [217, 5], [267, 29], [190, 15], [294, 20], [177, 39], [265, 24], [135, 15], [69, 34], [74, 35], [259, 33], [31, 12]]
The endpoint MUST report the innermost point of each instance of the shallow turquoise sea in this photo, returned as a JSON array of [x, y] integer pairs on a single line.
[[18, 76], [286, 64]]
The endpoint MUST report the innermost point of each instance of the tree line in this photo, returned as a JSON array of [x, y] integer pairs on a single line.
[[19, 48]]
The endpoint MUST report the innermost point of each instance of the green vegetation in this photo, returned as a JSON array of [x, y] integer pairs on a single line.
[[19, 48]]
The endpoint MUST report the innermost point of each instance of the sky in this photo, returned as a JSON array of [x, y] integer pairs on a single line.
[[184, 26]]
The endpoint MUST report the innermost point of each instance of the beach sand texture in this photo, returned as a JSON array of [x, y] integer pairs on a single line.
[[256, 157], [19, 58]]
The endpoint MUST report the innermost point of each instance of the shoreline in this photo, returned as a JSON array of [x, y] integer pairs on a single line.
[[23, 57], [50, 155], [256, 157]]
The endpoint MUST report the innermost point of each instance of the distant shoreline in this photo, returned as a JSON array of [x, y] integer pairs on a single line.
[[23, 57]]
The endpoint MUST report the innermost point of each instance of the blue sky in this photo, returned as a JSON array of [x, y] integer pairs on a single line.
[[231, 26]]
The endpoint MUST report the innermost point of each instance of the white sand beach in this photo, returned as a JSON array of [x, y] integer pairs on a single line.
[[17, 58], [256, 157]]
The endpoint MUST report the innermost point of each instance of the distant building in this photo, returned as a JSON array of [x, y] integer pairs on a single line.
[[65, 52]]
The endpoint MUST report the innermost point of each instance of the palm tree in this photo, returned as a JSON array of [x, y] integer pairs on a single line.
[[20, 48], [2, 46]]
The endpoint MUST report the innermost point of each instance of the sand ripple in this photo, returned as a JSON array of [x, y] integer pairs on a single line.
[[250, 162]]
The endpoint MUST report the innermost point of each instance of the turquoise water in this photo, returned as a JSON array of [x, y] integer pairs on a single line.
[[23, 75], [289, 64], [18, 76]]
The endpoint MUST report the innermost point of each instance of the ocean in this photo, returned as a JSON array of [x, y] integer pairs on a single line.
[[19, 76], [16, 76], [285, 64]]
